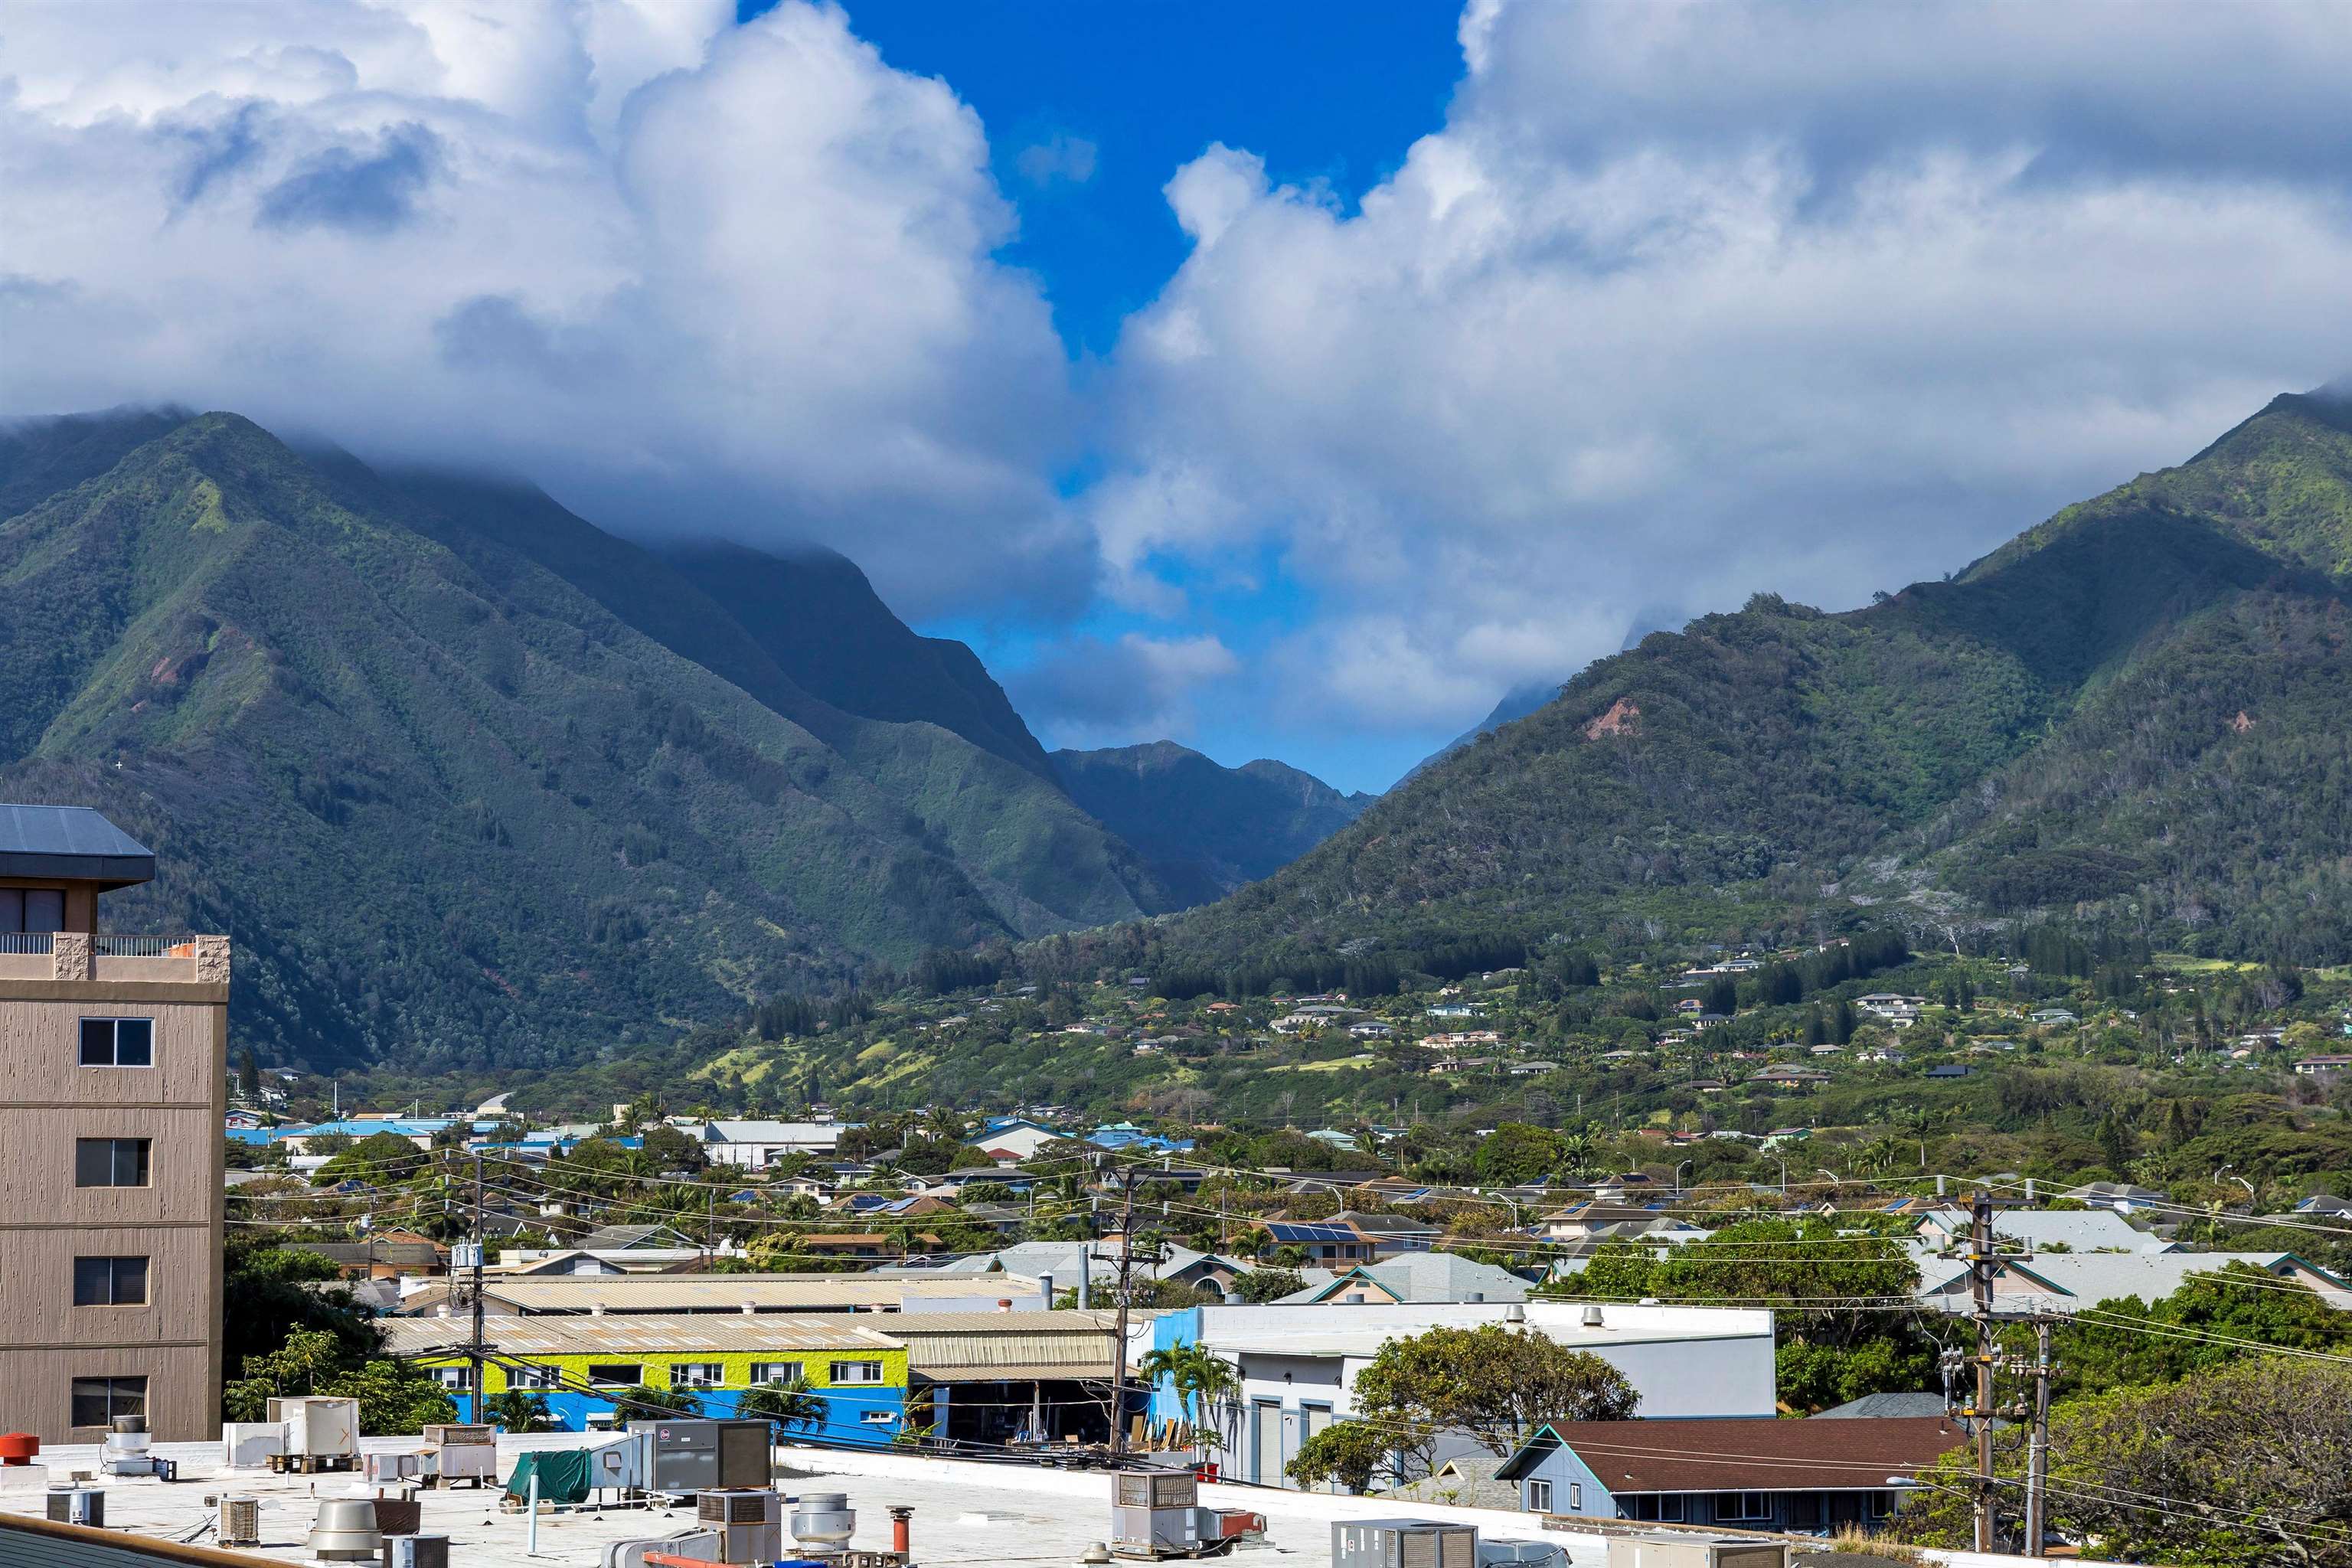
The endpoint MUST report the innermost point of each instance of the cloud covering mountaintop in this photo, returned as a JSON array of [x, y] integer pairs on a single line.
[[1678, 303]]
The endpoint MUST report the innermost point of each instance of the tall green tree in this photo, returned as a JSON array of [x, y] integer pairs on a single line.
[[1830, 1293], [2246, 1466]]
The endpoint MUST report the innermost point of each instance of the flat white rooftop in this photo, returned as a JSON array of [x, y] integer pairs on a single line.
[[967, 1514]]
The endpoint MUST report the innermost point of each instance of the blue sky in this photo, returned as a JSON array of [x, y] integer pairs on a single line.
[[1327, 93], [1089, 108], [1290, 380]]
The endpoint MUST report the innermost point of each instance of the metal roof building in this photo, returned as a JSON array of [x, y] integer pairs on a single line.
[[647, 1334], [615, 1294], [943, 1347], [993, 1347], [70, 843]]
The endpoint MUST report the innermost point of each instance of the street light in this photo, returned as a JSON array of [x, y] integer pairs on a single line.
[[1686, 1165], [1832, 1175]]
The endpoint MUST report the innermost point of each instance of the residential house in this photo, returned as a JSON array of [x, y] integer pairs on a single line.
[[1763, 1475], [388, 1255], [2322, 1066], [2052, 1016], [1014, 1141], [1320, 1243], [2076, 1230], [2121, 1197], [2066, 1282], [756, 1145], [1466, 1480], [1781, 1077], [1390, 1234], [1416, 1277]]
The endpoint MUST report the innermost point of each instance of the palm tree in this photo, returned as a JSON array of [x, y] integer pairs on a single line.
[[516, 1409], [1576, 1151], [791, 1404], [1203, 1382]]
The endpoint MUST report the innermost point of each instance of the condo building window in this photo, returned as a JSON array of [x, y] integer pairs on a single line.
[[697, 1374], [534, 1377], [775, 1372], [97, 1401], [111, 1161], [109, 1282], [858, 1372], [118, 1042], [39, 910], [616, 1375], [458, 1379]]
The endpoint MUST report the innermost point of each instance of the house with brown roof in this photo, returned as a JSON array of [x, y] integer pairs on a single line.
[[1738, 1472]]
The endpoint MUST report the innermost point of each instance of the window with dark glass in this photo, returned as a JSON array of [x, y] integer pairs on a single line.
[[111, 1161], [109, 1281], [97, 1401], [34, 910], [616, 1376], [118, 1042]]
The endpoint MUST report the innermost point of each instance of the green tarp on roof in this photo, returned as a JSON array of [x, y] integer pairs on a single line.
[[564, 1474]]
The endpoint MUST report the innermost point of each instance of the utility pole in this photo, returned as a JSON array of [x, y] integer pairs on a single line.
[[474, 1359], [1118, 1340], [1980, 1270], [2037, 1469]]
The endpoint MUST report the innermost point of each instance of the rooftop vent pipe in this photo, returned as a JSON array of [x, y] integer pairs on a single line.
[[1592, 1317]]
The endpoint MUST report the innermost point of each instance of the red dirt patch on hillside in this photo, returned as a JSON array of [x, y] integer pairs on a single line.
[[1618, 721]]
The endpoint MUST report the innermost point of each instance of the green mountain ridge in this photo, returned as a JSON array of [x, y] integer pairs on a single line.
[[2137, 712], [1205, 828], [468, 779]]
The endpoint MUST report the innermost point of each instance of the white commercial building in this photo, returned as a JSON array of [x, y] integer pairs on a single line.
[[755, 1145], [1298, 1364]]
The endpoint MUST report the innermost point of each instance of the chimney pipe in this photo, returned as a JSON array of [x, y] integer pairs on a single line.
[[1939, 1186], [1086, 1279], [1592, 1317], [2029, 1190], [1046, 1290], [900, 1532]]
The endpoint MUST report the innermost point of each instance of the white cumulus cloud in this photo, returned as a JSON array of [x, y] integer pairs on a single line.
[[694, 277], [1689, 301]]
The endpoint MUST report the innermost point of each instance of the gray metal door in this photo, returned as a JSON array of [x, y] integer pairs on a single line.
[[1265, 1450]]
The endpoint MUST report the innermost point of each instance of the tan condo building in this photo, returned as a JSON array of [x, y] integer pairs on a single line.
[[113, 1085]]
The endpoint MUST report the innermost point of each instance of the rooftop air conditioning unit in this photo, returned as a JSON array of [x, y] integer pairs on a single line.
[[1402, 1543], [750, 1524]]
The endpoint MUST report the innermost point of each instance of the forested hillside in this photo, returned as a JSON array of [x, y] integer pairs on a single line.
[[1205, 828], [2135, 714], [467, 779]]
